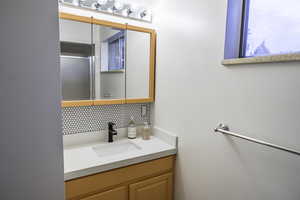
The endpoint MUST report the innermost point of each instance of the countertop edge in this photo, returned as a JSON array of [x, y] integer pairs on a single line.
[[122, 163]]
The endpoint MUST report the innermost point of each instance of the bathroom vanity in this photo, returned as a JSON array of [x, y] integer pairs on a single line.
[[122, 170], [145, 181], [108, 63]]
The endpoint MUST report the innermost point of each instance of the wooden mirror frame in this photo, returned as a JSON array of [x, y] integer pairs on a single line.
[[152, 33]]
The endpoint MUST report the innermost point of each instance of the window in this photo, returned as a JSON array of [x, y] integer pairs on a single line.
[[116, 52], [271, 27], [262, 28]]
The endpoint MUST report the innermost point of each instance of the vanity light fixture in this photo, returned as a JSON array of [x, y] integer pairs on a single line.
[[114, 7]]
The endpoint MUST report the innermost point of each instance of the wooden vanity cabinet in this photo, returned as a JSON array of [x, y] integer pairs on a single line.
[[158, 188], [151, 180], [120, 193]]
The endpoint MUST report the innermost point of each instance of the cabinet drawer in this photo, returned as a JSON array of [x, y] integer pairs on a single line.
[[158, 188], [120, 193]]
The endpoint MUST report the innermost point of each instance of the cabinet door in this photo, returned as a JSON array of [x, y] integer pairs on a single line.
[[120, 193], [158, 188]]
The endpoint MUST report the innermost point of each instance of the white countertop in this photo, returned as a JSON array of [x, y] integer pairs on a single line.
[[81, 160]]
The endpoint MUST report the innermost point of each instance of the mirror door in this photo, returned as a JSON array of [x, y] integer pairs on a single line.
[[137, 65], [109, 49], [76, 60], [105, 63], [140, 64]]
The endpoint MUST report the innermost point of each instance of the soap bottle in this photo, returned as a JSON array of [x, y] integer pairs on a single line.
[[146, 131], [131, 129]]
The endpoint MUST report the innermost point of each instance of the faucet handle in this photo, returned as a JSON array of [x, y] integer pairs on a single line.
[[111, 125]]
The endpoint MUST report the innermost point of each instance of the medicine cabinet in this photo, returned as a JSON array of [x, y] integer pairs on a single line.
[[105, 63]]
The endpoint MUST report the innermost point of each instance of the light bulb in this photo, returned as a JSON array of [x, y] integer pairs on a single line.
[[126, 12], [134, 8], [76, 2], [95, 5], [143, 14], [102, 2], [118, 5]]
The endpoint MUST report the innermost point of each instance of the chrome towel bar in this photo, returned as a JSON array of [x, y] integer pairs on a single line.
[[222, 128]]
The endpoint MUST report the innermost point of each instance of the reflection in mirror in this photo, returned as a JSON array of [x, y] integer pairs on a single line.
[[137, 64], [76, 60], [109, 62]]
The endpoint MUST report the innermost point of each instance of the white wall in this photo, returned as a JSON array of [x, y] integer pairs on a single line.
[[194, 92]]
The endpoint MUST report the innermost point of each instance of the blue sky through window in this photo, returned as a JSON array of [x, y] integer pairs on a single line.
[[273, 27]]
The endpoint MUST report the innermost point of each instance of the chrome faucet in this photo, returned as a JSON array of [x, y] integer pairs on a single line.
[[111, 131]]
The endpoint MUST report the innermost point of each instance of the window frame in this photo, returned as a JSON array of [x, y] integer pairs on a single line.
[[236, 37], [119, 39], [244, 28], [233, 29]]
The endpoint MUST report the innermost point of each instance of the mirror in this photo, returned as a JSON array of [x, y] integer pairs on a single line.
[[137, 65], [105, 63], [110, 44], [76, 60]]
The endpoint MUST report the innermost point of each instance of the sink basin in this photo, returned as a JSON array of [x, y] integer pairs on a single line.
[[115, 148]]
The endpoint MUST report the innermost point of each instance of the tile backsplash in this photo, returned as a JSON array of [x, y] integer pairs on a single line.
[[95, 118]]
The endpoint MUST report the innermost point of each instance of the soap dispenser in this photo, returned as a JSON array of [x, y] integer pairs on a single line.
[[146, 131], [131, 128]]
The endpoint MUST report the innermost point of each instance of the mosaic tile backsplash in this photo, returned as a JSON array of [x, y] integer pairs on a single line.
[[95, 118]]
